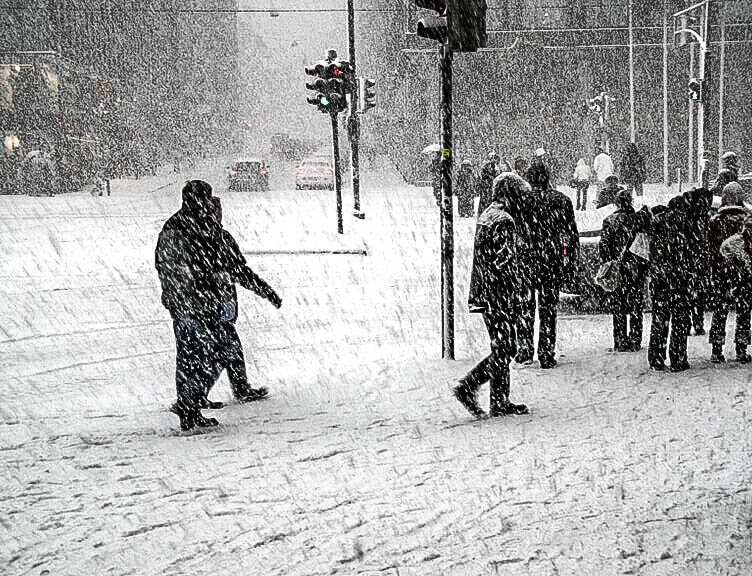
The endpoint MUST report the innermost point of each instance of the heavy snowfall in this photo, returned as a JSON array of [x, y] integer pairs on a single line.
[[357, 445]]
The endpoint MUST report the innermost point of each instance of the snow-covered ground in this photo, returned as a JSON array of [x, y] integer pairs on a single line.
[[360, 462]]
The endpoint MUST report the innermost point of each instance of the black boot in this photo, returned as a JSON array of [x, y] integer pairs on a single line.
[[717, 356], [741, 355], [468, 398], [187, 417]]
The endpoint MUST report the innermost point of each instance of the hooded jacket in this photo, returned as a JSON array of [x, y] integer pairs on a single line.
[[737, 254], [186, 258]]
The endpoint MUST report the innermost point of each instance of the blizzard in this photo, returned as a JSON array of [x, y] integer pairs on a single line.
[[360, 461]]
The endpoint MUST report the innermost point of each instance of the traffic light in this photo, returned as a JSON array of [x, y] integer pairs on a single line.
[[462, 22], [695, 89], [433, 27], [366, 93], [329, 86]]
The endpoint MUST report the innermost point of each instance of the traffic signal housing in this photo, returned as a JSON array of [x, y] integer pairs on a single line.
[[695, 91], [461, 22], [329, 86], [366, 93]]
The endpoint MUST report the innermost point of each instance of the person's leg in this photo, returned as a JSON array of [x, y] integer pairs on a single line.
[[549, 299], [584, 195], [636, 293], [658, 333], [680, 329], [620, 331], [638, 188], [742, 334], [717, 336], [526, 324]]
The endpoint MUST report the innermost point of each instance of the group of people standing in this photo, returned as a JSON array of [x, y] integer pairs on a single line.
[[199, 263]]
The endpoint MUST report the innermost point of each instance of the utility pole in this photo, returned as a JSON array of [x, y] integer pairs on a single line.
[[631, 74], [447, 209], [721, 86], [665, 94], [353, 128], [337, 170]]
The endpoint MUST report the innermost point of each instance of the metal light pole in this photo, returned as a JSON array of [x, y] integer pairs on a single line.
[[447, 209], [337, 169], [353, 128], [631, 75]]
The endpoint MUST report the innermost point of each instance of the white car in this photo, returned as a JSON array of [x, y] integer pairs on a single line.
[[314, 172]]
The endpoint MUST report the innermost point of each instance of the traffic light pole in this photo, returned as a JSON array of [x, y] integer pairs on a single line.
[[447, 210], [337, 170], [353, 128]]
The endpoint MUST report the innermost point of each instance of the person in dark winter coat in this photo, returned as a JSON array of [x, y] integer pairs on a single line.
[[233, 268], [626, 302], [698, 247], [729, 173], [488, 173], [671, 278], [607, 194], [729, 221], [466, 190], [185, 258], [494, 292], [549, 216], [632, 169]]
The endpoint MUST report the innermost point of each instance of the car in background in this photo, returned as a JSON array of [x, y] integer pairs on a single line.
[[248, 174], [315, 172]]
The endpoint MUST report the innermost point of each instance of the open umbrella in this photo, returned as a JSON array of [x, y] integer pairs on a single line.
[[431, 149]]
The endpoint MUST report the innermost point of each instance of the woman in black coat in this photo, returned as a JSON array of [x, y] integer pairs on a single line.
[[619, 231]]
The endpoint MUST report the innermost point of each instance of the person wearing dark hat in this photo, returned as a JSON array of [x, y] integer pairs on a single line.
[[232, 268], [632, 169], [626, 302], [185, 256], [494, 292], [549, 215], [729, 221], [607, 195]]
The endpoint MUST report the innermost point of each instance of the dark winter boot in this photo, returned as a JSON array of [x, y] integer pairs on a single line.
[[742, 356], [203, 422], [469, 399], [253, 394], [717, 356], [509, 409], [187, 417]]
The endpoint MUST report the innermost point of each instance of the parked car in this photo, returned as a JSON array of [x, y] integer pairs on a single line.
[[248, 174], [315, 172]]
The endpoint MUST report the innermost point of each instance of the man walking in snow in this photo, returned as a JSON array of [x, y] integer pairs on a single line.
[[488, 173], [494, 286], [232, 267], [185, 258]]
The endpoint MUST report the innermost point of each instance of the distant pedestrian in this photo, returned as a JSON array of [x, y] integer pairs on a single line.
[[729, 221], [699, 216], [185, 258], [232, 268], [729, 172], [607, 194], [494, 286], [488, 173], [626, 302], [466, 190], [632, 171], [521, 166], [550, 216], [737, 253], [581, 181], [603, 167], [671, 278]]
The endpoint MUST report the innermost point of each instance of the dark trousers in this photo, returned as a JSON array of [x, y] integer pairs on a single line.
[[548, 299], [229, 356], [718, 323], [195, 343], [494, 368], [582, 188], [678, 318], [624, 340], [636, 186]]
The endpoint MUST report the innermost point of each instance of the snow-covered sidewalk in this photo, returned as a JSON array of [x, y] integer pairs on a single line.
[[360, 461]]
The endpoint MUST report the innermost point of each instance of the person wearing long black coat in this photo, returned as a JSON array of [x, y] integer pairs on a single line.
[[632, 169], [729, 221], [185, 258], [548, 216], [671, 277], [728, 173], [233, 268], [699, 214], [737, 253], [494, 292], [488, 173], [626, 302]]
